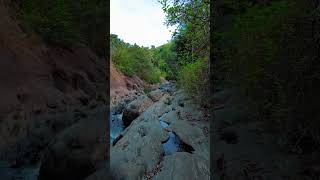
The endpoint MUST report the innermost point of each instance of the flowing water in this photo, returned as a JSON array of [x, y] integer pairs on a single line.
[[173, 143], [116, 126]]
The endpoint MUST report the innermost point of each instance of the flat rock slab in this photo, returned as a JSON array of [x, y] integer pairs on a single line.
[[188, 123], [192, 136], [140, 149], [183, 165]]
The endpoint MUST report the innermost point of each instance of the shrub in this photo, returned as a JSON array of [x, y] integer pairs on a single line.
[[193, 78], [134, 60], [153, 76]]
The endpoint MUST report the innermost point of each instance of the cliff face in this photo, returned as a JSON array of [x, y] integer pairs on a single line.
[[36, 78]]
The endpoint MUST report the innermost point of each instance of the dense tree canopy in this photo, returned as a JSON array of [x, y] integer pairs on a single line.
[[191, 43], [134, 60]]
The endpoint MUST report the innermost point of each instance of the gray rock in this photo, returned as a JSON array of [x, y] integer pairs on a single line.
[[170, 117], [135, 108], [192, 136], [155, 95], [183, 165], [140, 148], [167, 87]]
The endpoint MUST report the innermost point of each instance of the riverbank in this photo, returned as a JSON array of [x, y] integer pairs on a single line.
[[164, 133]]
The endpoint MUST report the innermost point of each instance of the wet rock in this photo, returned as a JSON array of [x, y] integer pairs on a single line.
[[117, 139], [135, 108]]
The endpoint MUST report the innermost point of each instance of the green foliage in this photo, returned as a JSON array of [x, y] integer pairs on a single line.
[[66, 22], [190, 44], [55, 23], [152, 75], [134, 60], [193, 78], [123, 61], [192, 35], [165, 58]]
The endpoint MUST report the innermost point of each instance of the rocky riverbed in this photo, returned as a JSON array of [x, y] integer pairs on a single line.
[[165, 139], [158, 135]]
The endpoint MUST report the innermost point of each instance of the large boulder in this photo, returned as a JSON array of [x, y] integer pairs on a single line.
[[140, 148], [78, 151], [135, 108], [193, 136]]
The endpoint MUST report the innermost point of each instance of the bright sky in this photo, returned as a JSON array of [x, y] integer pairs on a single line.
[[139, 21]]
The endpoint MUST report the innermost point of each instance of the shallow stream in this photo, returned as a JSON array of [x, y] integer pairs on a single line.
[[173, 143]]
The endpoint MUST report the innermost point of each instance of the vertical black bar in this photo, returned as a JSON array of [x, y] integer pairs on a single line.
[[211, 64], [107, 58]]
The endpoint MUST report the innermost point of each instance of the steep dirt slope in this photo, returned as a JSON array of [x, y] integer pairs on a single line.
[[122, 86], [36, 78]]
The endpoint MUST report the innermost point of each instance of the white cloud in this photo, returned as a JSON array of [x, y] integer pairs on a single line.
[[139, 21]]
